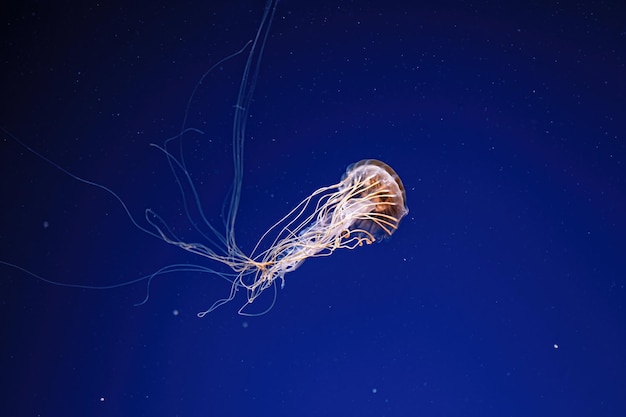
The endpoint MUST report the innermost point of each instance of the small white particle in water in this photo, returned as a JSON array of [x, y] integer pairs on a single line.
[[555, 346], [374, 390], [175, 312], [46, 224], [245, 324], [101, 399]]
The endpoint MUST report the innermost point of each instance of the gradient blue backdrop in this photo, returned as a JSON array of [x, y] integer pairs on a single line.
[[502, 293]]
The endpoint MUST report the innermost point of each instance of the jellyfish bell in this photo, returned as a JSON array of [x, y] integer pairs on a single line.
[[377, 200]]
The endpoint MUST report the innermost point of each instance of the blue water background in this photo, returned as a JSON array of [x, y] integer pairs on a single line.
[[501, 294]]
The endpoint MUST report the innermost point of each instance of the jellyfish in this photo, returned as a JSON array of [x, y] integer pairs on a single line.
[[364, 207]]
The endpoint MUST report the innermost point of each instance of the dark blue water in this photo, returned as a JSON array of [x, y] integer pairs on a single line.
[[501, 294]]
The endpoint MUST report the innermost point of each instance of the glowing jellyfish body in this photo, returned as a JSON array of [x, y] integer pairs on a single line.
[[364, 207]]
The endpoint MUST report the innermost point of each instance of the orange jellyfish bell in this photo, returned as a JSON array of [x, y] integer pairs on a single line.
[[376, 198]]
